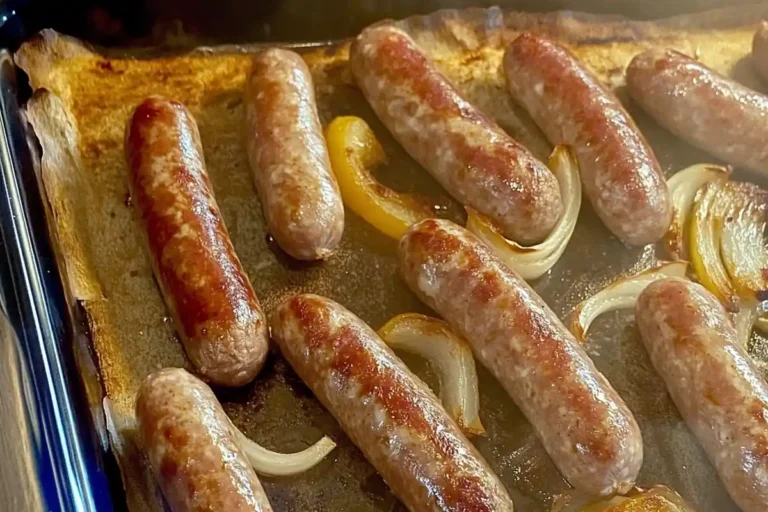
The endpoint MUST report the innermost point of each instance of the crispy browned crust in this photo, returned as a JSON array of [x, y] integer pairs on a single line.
[[83, 97]]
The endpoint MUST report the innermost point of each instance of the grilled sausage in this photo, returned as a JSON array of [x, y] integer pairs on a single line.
[[712, 380], [584, 425], [702, 107], [387, 411], [760, 50], [190, 444], [468, 153], [289, 160], [217, 315], [621, 175]]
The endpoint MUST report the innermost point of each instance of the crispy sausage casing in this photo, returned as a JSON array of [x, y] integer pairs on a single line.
[[190, 444], [584, 425], [621, 175], [712, 380], [391, 415], [468, 153], [702, 107], [289, 160], [217, 315]]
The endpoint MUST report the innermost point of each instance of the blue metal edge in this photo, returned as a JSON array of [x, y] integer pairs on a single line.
[[69, 462]]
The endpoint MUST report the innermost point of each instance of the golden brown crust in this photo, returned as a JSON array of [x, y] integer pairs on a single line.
[[82, 102]]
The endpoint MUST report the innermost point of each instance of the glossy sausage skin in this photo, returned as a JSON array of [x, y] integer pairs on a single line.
[[702, 107], [584, 425], [714, 383], [468, 153], [620, 173], [289, 160], [760, 50], [189, 442], [217, 315], [395, 420]]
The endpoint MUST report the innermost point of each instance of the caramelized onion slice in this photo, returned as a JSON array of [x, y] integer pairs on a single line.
[[451, 357], [682, 191], [621, 294], [267, 462], [534, 261], [743, 247], [744, 321], [655, 499]]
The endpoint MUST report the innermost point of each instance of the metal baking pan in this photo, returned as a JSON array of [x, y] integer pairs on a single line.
[[66, 423]]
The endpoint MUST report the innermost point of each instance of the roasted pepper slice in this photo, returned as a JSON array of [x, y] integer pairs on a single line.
[[354, 151]]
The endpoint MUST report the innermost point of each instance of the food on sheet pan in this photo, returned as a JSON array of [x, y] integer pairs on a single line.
[[455, 89], [712, 380], [710, 111], [192, 447], [354, 152], [621, 175], [388, 412], [216, 312], [288, 156], [584, 425], [476, 161]]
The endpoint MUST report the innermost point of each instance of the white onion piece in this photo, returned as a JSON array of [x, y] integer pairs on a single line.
[[710, 209], [621, 294], [267, 462], [451, 357], [744, 321], [743, 246], [534, 261], [682, 190]]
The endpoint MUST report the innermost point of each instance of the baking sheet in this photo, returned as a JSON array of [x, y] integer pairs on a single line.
[[82, 100]]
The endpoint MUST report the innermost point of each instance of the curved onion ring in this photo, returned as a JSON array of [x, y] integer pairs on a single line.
[[267, 462], [534, 261], [682, 190], [451, 356], [621, 294]]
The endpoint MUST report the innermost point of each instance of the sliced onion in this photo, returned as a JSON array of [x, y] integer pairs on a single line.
[[534, 261], [682, 190], [655, 499], [621, 294], [744, 321], [710, 210], [267, 462], [452, 358], [743, 248]]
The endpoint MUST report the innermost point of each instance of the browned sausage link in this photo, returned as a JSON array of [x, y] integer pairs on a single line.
[[190, 444], [621, 175], [288, 157], [712, 380], [583, 423], [468, 153], [702, 107], [217, 315], [760, 50], [387, 411]]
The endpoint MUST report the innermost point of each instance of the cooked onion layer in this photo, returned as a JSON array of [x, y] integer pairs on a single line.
[[621, 294], [451, 357], [267, 462], [534, 261]]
